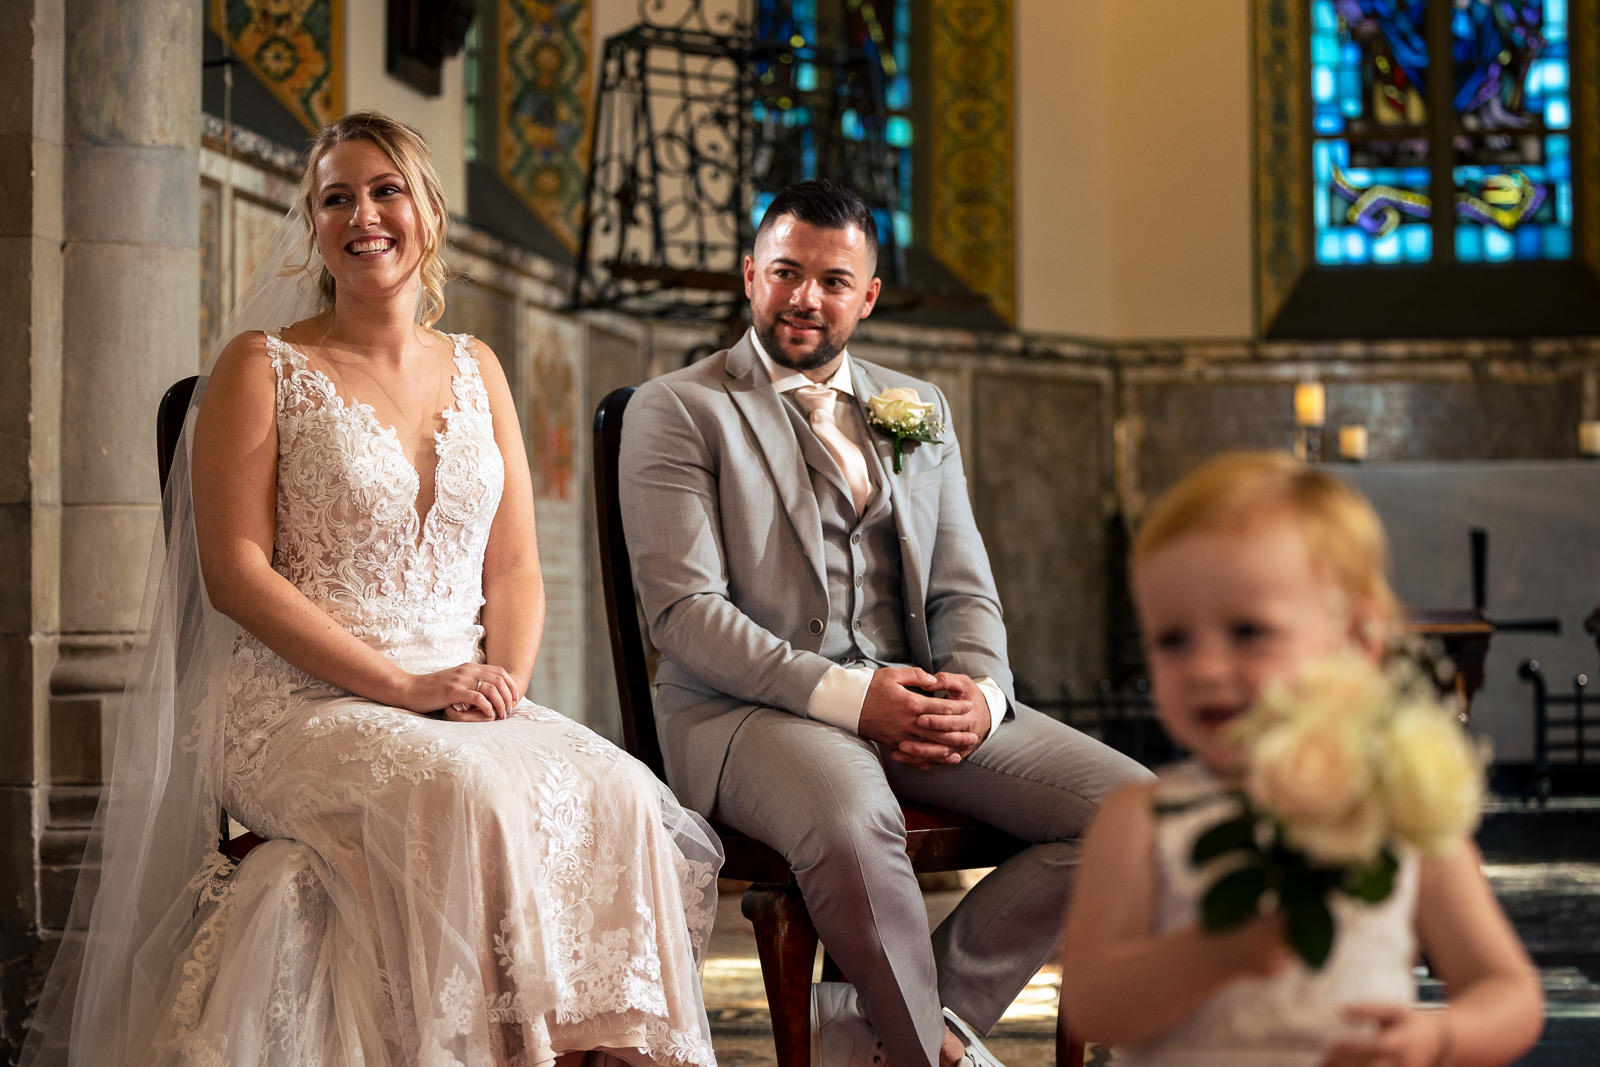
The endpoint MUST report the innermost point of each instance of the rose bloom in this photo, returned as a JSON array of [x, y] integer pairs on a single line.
[[1354, 837], [900, 407], [1309, 769], [1431, 778]]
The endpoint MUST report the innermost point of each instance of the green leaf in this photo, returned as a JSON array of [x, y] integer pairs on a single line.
[[1375, 882], [1310, 928], [1229, 835], [1235, 897]]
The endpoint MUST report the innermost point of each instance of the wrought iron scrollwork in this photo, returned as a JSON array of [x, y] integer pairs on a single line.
[[695, 118]]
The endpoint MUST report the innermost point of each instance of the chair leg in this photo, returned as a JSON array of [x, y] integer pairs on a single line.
[[787, 944]]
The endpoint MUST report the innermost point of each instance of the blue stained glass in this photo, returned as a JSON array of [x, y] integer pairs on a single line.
[[898, 132], [1512, 77], [902, 228], [1329, 250], [805, 78], [1387, 249], [1321, 161], [850, 125], [1497, 245], [898, 94], [759, 207], [1527, 241], [1418, 243]]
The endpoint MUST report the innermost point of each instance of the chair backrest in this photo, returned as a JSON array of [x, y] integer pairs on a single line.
[[169, 423], [627, 642]]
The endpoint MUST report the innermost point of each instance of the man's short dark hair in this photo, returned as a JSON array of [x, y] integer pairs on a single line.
[[825, 204]]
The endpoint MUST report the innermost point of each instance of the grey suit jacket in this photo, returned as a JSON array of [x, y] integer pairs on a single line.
[[726, 542]]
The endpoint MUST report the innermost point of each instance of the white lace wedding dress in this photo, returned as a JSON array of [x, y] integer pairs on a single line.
[[1290, 1019], [435, 893]]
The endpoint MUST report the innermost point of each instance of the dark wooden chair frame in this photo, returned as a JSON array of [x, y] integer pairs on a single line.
[[169, 428], [786, 941]]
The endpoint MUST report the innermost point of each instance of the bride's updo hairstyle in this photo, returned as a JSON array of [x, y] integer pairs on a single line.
[[409, 153], [1231, 492]]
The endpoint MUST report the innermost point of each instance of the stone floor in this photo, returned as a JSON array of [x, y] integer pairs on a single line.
[[1554, 902]]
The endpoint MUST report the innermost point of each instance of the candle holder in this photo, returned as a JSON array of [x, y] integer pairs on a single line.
[[1310, 412]]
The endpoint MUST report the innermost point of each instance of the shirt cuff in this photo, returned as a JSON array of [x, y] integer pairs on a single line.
[[837, 699], [996, 700]]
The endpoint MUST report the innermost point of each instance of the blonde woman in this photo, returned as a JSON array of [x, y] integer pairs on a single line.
[[455, 875]]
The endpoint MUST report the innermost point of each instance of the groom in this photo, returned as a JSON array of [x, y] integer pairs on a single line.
[[832, 645]]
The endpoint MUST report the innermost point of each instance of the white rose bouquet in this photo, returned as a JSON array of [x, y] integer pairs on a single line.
[[905, 415], [1345, 763]]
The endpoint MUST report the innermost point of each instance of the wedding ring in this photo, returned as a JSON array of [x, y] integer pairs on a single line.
[[477, 687]]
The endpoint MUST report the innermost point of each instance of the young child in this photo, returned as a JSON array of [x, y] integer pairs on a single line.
[[1251, 568]]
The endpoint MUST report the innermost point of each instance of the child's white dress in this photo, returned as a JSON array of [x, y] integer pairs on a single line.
[[1292, 1018]]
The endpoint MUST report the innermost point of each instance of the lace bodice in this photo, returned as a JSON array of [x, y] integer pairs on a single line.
[[1291, 1018], [348, 534]]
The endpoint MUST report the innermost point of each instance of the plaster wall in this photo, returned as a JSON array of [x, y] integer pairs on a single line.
[[1133, 169], [437, 118]]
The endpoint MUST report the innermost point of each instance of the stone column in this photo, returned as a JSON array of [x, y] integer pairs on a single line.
[[114, 319], [30, 400]]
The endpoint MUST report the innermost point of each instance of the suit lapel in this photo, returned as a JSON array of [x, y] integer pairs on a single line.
[[750, 389]]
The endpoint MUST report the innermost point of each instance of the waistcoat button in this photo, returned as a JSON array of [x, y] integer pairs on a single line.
[[816, 626]]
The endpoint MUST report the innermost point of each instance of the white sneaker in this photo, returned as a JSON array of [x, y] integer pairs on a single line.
[[840, 1034], [977, 1055]]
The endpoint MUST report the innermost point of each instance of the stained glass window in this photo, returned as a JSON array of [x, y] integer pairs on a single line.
[[879, 30], [1374, 145]]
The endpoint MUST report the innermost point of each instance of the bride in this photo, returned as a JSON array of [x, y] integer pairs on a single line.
[[454, 875]]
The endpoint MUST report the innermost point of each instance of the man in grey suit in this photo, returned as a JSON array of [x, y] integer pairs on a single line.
[[832, 645]]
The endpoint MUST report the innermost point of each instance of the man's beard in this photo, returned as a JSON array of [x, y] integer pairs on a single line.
[[828, 347]]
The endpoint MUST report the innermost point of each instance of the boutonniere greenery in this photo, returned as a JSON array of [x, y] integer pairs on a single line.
[[905, 416], [1347, 764]]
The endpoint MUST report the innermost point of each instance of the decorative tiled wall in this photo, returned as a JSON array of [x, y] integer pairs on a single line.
[[296, 49]]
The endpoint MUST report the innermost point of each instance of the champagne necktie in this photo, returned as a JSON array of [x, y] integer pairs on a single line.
[[818, 401]]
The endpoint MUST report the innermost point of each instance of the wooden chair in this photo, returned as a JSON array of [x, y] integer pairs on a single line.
[[169, 427], [786, 941]]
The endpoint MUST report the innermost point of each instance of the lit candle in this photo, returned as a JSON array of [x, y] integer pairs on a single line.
[[1589, 437], [1310, 404], [1353, 442]]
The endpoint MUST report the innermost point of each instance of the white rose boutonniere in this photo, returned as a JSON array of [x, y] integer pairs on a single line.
[[905, 415], [1346, 763]]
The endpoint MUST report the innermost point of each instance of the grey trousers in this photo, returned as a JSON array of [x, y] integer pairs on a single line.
[[824, 799]]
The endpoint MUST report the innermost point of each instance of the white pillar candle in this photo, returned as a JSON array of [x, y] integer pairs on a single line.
[[1353, 442], [1310, 404]]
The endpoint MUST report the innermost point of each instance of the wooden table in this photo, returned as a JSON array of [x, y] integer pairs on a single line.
[[1464, 633]]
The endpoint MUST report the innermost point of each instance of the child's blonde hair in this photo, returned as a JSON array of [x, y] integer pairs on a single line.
[[1343, 534]]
